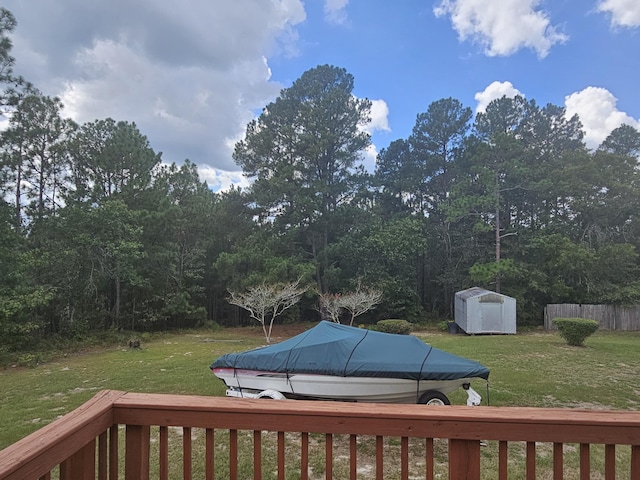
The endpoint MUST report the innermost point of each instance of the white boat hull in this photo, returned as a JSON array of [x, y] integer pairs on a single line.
[[328, 387]]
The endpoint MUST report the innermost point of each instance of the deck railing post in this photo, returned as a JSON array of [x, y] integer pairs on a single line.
[[464, 459], [137, 452]]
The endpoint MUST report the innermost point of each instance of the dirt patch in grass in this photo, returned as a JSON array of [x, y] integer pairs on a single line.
[[279, 332]]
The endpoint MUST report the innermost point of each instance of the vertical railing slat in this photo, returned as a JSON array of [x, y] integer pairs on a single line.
[[102, 456], [187, 468], [609, 462], [558, 461], [379, 457], [404, 458], [80, 465], [209, 469], [635, 461], [353, 457], [328, 456], [257, 455], [585, 462], [46, 476], [304, 457], [503, 460], [163, 453], [113, 453], [428, 458], [281, 457], [531, 460], [233, 455]]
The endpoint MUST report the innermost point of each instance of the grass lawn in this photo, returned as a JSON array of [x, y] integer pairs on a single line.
[[165, 363], [530, 369]]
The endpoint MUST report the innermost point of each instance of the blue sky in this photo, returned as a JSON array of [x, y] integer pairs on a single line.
[[192, 74], [407, 55]]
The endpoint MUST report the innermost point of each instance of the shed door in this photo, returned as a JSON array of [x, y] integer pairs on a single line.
[[491, 317]]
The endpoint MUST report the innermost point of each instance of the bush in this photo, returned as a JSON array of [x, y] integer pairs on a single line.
[[401, 327], [442, 325], [575, 330]]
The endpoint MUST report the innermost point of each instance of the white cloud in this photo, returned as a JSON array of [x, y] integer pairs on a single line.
[[190, 110], [379, 123], [191, 77], [502, 27], [222, 180], [370, 158], [494, 91], [624, 13], [379, 117], [598, 112], [335, 11]]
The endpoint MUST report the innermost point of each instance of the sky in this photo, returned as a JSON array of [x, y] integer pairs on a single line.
[[192, 74]]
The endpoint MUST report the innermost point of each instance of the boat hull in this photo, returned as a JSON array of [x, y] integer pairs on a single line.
[[329, 387]]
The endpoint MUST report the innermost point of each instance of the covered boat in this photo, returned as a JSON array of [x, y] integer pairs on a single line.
[[337, 362]]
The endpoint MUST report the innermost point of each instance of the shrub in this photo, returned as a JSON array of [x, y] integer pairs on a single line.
[[575, 330], [401, 327], [443, 325]]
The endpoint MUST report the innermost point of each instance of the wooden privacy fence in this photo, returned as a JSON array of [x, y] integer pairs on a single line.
[[609, 317]]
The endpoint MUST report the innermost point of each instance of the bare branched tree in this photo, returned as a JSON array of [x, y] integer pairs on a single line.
[[330, 306], [356, 303], [360, 301], [266, 302]]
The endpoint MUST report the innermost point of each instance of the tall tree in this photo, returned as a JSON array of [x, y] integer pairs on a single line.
[[382, 253], [553, 142], [13, 86], [493, 169], [178, 224], [399, 178], [604, 198], [110, 157], [20, 298], [624, 140], [437, 139], [303, 153], [35, 150], [112, 243]]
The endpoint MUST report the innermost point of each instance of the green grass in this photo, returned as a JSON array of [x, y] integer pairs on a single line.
[[532, 369], [168, 363], [538, 369]]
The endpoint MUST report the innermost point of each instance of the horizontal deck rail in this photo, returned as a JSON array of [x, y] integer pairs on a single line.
[[87, 443]]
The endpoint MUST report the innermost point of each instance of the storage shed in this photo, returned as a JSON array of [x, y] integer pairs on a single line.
[[482, 311]]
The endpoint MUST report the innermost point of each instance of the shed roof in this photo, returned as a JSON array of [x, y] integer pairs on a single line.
[[476, 292]]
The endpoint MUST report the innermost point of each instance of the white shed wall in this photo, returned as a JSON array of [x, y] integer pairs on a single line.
[[485, 312]]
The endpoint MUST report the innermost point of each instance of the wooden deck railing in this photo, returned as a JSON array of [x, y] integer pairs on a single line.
[[115, 435]]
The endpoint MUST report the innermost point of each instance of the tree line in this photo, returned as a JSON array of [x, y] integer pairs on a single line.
[[97, 233]]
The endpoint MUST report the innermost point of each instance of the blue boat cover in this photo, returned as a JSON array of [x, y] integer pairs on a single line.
[[339, 350]]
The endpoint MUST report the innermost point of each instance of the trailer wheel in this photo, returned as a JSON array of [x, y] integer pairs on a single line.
[[433, 397], [273, 394]]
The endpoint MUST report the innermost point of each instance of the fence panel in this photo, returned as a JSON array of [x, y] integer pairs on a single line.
[[609, 317]]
